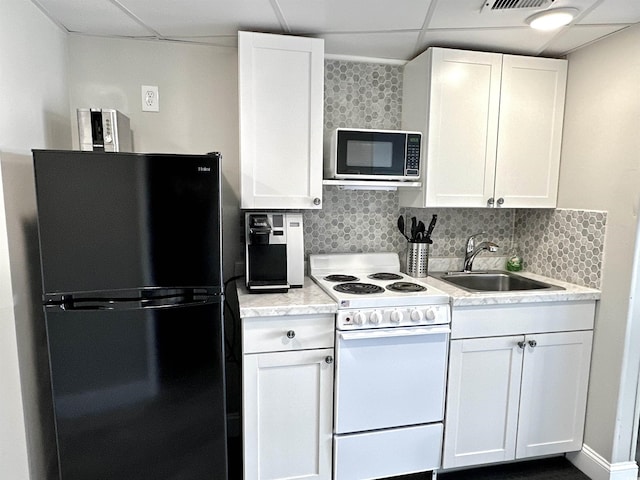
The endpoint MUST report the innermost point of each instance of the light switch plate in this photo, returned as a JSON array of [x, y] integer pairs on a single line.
[[150, 98]]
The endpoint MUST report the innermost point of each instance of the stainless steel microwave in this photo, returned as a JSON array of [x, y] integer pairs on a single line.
[[104, 130], [364, 154]]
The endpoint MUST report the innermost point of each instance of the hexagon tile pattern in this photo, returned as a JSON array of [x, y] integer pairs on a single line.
[[353, 221], [563, 244], [455, 225], [362, 95]]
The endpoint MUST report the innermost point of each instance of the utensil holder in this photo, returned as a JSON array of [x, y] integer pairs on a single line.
[[417, 259]]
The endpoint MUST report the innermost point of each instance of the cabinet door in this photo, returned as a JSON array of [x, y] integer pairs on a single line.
[[462, 125], [287, 405], [281, 83], [555, 377], [482, 401], [530, 131]]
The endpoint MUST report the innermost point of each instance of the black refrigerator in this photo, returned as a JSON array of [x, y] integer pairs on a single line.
[[131, 254]]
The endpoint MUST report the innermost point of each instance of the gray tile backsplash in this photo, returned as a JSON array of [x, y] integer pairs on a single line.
[[353, 221], [563, 244], [362, 95]]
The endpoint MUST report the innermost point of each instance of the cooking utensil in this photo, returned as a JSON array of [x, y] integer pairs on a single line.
[[414, 228], [401, 227], [432, 225]]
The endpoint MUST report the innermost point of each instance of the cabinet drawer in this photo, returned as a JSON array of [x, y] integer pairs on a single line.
[[524, 318], [295, 332]]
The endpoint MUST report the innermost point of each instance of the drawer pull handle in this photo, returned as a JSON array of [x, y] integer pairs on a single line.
[[328, 359], [291, 334], [522, 344], [533, 343]]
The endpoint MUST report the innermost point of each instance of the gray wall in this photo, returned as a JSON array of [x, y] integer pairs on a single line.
[[198, 95], [600, 169], [34, 114]]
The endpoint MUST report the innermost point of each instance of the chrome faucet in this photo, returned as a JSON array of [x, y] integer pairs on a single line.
[[473, 250]]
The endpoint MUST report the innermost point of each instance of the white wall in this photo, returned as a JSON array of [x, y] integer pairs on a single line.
[[600, 170], [34, 114], [198, 92]]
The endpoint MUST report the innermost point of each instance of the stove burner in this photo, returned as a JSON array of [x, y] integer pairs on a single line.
[[385, 276], [358, 288], [405, 287], [341, 278]]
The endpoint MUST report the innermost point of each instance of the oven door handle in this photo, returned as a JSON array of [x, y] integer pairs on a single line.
[[393, 332]]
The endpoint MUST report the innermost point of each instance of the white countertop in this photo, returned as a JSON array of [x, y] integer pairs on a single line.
[[571, 292], [312, 300], [297, 301]]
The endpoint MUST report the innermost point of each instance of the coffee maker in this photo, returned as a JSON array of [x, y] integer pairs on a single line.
[[274, 251]]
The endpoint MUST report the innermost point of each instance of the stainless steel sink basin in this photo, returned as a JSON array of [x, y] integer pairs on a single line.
[[493, 281]]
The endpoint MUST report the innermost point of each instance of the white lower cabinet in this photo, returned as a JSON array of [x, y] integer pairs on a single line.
[[287, 397], [553, 395], [513, 397]]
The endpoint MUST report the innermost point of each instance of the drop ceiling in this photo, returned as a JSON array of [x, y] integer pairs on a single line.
[[389, 29]]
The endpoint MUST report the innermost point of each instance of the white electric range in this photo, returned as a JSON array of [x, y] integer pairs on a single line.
[[392, 340]]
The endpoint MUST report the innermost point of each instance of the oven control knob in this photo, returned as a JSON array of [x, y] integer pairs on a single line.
[[417, 315], [396, 316], [430, 314], [359, 318], [375, 318]]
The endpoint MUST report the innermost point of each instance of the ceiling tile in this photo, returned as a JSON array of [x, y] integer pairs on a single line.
[[519, 41], [222, 41], [577, 36], [354, 15], [613, 11], [204, 17], [466, 14], [96, 17], [392, 45]]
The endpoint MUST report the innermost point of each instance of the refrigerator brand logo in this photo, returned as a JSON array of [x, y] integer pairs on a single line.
[[204, 169]]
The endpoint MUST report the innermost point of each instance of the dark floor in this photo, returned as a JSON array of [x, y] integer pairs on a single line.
[[557, 468]]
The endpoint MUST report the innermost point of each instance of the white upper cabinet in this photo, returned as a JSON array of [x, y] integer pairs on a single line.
[[281, 92], [492, 127], [530, 131]]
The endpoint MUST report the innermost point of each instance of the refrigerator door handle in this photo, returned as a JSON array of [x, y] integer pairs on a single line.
[[133, 304]]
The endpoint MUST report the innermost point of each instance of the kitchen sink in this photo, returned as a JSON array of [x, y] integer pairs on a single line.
[[493, 281]]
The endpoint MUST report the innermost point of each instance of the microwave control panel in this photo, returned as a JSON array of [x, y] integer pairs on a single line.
[[412, 166]]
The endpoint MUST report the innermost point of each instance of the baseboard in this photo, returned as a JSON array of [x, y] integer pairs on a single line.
[[596, 467]]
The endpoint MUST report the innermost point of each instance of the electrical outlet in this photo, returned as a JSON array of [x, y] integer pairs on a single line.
[[150, 98]]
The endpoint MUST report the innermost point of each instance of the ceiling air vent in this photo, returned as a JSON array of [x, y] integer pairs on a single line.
[[491, 6]]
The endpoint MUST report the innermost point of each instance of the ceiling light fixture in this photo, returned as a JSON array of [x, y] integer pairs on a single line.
[[552, 19]]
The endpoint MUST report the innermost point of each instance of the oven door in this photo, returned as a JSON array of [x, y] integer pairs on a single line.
[[390, 377]]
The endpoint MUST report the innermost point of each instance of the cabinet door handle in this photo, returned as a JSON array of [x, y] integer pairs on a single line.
[[316, 201], [500, 201], [328, 359], [490, 202], [533, 343], [522, 344], [291, 334]]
